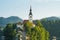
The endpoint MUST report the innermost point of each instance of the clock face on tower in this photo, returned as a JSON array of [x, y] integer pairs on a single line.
[[30, 18]]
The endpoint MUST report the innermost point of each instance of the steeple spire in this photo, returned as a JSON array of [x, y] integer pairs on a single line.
[[30, 8], [30, 11], [30, 15]]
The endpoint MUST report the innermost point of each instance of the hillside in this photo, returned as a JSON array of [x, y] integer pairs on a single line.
[[52, 24], [12, 19]]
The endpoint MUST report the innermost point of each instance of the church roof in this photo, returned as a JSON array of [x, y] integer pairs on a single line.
[[25, 21]]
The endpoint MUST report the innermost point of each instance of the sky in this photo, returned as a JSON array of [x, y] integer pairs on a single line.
[[20, 8]]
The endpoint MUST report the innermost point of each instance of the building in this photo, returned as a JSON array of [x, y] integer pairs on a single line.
[[21, 29], [54, 38]]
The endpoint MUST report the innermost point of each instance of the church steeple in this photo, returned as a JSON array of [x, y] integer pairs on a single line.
[[30, 15], [30, 11]]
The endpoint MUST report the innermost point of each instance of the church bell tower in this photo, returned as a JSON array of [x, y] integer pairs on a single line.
[[30, 15]]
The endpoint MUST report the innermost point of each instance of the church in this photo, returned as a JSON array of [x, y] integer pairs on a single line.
[[21, 32], [30, 18]]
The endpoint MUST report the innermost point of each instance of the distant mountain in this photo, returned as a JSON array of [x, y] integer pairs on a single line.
[[52, 24], [51, 18], [12, 19]]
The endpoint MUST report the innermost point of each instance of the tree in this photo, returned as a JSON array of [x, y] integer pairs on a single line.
[[10, 32], [36, 33], [1, 34]]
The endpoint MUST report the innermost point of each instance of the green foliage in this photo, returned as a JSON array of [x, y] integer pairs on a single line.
[[27, 26], [10, 32], [36, 33], [52, 25]]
